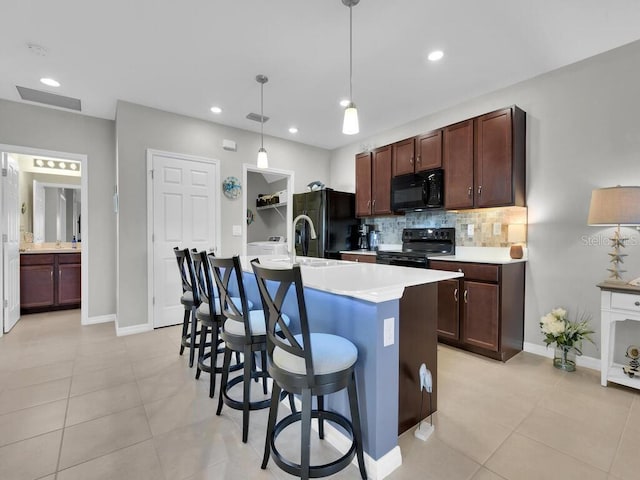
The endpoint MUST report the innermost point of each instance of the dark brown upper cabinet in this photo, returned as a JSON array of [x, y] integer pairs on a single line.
[[417, 154], [373, 182], [484, 161]]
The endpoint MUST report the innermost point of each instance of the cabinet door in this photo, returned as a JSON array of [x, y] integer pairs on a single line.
[[381, 183], [494, 162], [458, 165], [363, 184], [429, 151], [69, 283], [354, 257], [403, 155], [448, 301], [36, 286], [480, 315]]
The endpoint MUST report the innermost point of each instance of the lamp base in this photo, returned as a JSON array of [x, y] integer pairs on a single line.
[[516, 252]]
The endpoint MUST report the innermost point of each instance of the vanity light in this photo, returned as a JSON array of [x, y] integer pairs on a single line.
[[50, 82], [435, 55], [263, 161], [57, 165], [293, 130], [350, 124], [73, 166], [216, 109], [39, 162], [62, 165], [51, 163]]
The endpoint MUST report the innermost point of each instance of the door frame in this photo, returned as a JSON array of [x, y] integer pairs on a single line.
[[150, 211], [84, 212], [248, 167]]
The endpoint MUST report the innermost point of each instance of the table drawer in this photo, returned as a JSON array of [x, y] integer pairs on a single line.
[[625, 301], [472, 271]]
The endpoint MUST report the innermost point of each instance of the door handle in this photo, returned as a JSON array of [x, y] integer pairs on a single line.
[[466, 294], [455, 295], [469, 192]]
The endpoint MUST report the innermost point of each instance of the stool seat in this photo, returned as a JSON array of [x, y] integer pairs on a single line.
[[257, 324], [205, 311], [187, 298], [331, 354]]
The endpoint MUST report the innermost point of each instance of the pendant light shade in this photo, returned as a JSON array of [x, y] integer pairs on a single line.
[[263, 161], [350, 126]]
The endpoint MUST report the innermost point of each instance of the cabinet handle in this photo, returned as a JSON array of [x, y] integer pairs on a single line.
[[411, 161], [368, 203], [465, 296], [418, 160], [479, 189], [460, 270], [469, 192], [374, 203], [637, 304], [455, 295]]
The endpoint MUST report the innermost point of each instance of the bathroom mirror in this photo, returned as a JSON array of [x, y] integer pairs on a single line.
[[56, 212]]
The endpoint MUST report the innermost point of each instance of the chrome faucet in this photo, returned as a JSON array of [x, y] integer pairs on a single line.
[[313, 233]]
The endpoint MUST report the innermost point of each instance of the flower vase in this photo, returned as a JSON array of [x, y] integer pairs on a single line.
[[564, 358]]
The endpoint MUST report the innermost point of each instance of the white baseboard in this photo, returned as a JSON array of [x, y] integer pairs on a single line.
[[133, 329], [100, 319], [376, 469], [581, 360]]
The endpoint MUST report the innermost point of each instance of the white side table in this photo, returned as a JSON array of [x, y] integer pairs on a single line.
[[619, 302]]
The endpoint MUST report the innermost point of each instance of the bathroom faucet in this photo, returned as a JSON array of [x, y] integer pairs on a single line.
[[313, 233]]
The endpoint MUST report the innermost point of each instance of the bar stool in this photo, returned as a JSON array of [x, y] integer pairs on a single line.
[[243, 331], [307, 364], [210, 322], [191, 301]]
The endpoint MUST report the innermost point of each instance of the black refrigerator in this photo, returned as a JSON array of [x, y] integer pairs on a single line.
[[334, 217]]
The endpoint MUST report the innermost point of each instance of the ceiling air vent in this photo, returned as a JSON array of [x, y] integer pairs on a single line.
[[256, 117], [49, 98]]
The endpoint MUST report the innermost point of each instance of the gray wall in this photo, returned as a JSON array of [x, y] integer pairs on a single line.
[[582, 133], [266, 222], [139, 128], [51, 129]]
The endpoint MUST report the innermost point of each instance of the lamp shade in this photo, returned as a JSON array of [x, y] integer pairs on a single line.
[[516, 233], [263, 160], [350, 125], [615, 206]]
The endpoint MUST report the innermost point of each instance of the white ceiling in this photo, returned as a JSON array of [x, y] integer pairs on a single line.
[[185, 56]]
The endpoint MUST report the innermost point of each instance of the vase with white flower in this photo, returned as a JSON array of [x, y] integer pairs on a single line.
[[567, 335]]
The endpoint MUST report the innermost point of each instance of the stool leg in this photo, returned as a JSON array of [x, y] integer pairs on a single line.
[[225, 378], [213, 358], [292, 404], [203, 341], [273, 415], [320, 416], [263, 361], [246, 394], [355, 421], [305, 444], [185, 328], [194, 328]]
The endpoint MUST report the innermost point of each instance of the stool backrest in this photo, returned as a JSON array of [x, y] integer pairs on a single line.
[[208, 283], [273, 295], [187, 273], [224, 269]]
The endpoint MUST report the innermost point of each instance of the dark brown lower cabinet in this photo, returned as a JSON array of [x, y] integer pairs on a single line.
[[483, 312], [49, 281]]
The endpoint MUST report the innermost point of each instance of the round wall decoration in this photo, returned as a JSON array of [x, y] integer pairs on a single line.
[[231, 187], [250, 217]]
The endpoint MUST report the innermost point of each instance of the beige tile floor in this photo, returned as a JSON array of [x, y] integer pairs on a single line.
[[80, 403]]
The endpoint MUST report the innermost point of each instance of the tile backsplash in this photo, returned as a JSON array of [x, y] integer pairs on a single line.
[[483, 221]]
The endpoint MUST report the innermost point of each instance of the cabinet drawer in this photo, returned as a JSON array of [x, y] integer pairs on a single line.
[[68, 258], [625, 301], [354, 257], [37, 259], [471, 271]]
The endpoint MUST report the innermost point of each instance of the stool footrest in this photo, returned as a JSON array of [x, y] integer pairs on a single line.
[[238, 404]]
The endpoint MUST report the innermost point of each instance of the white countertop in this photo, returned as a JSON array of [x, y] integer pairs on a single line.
[[49, 250], [365, 281], [496, 255]]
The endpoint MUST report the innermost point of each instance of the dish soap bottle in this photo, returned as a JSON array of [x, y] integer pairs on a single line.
[[74, 242]]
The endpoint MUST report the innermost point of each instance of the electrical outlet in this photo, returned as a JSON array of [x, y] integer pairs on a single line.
[[470, 230], [389, 333], [236, 230], [497, 228]]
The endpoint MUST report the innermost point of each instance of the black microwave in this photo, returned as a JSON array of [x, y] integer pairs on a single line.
[[418, 191]]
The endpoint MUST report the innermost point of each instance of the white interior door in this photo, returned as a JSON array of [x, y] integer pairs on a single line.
[[185, 193], [11, 241], [38, 212]]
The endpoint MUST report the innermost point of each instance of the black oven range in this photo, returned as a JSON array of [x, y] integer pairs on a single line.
[[418, 245]]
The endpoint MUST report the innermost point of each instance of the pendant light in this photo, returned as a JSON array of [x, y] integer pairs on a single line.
[[350, 125], [263, 161]]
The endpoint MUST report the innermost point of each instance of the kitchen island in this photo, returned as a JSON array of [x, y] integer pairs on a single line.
[[390, 314]]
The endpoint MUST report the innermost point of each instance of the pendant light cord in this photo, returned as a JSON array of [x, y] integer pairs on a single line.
[[262, 115], [351, 53]]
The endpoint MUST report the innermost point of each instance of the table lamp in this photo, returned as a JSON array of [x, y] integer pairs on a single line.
[[516, 234], [615, 206]]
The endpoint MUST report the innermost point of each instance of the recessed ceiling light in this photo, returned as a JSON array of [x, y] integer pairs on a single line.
[[216, 109], [50, 82], [293, 130], [436, 55]]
